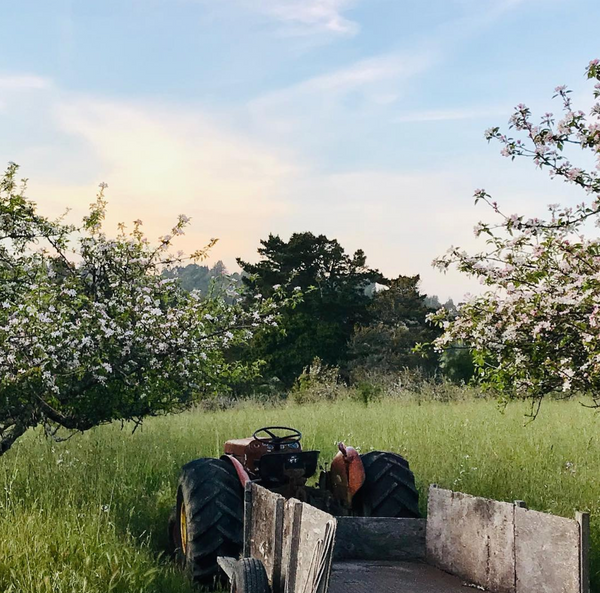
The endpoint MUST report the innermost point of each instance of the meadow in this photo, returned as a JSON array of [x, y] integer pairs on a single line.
[[89, 514]]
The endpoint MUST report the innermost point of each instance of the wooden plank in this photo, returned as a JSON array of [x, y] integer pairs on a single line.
[[473, 538], [292, 518], [505, 547], [309, 536], [266, 536], [379, 538], [583, 519], [246, 545], [278, 545], [313, 552], [547, 553]]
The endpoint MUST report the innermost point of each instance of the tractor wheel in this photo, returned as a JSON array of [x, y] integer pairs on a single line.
[[210, 517], [389, 489], [250, 577]]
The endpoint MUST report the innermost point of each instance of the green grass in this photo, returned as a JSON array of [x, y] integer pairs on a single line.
[[89, 515]]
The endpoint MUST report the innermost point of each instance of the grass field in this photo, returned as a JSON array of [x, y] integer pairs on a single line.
[[89, 515]]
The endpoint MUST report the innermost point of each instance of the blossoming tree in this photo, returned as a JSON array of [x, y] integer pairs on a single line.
[[536, 328], [91, 332]]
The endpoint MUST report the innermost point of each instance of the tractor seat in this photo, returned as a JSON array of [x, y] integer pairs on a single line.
[[240, 447], [239, 442]]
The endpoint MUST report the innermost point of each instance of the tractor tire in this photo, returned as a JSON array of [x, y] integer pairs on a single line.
[[210, 511], [389, 489], [250, 577]]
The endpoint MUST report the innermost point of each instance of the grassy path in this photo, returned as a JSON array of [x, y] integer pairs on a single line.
[[89, 515]]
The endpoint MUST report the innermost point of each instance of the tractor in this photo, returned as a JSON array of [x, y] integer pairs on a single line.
[[207, 520]]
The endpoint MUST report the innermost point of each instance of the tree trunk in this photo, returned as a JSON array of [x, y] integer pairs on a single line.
[[8, 435]]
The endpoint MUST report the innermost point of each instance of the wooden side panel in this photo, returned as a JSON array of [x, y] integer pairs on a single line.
[[547, 553], [505, 547], [473, 538], [315, 550], [309, 536], [266, 531], [379, 538]]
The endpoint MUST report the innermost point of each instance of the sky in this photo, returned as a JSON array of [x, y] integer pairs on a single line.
[[359, 119]]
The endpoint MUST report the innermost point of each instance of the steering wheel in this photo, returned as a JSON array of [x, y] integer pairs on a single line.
[[291, 435]]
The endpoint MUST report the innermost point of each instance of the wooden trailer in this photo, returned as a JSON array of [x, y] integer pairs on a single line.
[[466, 541]]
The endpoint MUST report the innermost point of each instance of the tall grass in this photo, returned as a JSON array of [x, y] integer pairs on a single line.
[[89, 515]]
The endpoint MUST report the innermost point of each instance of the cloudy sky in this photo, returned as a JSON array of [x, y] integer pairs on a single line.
[[360, 119]]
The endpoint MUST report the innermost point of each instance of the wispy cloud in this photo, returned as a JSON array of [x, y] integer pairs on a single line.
[[437, 115], [369, 83], [365, 72], [310, 16], [495, 6], [19, 82]]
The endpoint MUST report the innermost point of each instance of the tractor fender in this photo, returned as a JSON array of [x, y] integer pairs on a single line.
[[239, 469], [347, 473]]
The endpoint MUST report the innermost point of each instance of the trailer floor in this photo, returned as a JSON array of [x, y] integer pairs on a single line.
[[363, 576]]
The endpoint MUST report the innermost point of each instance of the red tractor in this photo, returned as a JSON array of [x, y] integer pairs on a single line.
[[207, 520]]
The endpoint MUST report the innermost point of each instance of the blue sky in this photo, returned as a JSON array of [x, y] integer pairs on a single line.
[[360, 119]]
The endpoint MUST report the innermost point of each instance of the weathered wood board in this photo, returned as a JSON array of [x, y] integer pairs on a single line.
[[379, 538], [504, 547], [315, 550], [266, 533], [309, 536], [473, 538], [292, 516], [546, 552], [583, 520]]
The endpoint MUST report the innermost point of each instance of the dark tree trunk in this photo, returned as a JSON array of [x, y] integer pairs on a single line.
[[9, 434]]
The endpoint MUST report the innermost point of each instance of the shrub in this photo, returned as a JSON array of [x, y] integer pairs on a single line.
[[317, 382]]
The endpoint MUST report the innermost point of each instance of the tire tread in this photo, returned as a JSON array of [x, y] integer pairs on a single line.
[[389, 489], [251, 577], [213, 496]]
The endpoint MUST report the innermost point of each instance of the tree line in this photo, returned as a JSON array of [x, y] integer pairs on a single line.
[[350, 317]]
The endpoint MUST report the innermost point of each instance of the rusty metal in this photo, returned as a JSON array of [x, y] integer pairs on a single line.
[[246, 451], [347, 474], [239, 468]]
